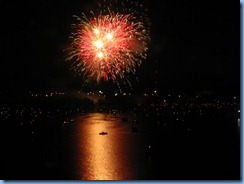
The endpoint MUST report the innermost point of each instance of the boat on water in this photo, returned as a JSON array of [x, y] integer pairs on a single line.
[[103, 133]]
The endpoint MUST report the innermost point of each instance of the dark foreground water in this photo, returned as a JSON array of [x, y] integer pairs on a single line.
[[77, 151]]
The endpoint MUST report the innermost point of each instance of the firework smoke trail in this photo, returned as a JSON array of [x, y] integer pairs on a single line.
[[109, 45]]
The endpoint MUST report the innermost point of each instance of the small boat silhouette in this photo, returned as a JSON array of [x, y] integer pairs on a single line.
[[103, 133]]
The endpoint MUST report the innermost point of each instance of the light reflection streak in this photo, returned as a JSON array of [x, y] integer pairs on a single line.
[[102, 161]]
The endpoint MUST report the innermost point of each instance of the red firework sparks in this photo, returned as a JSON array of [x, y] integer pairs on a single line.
[[108, 47]]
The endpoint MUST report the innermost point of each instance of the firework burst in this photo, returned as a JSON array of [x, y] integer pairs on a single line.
[[111, 45]]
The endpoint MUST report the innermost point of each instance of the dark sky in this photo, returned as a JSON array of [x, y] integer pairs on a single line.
[[195, 45]]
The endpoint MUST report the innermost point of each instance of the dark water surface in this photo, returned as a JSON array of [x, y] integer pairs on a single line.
[[76, 150]]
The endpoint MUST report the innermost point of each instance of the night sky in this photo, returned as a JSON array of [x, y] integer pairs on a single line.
[[194, 46]]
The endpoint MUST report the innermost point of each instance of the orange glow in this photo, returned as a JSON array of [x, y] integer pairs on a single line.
[[103, 163]]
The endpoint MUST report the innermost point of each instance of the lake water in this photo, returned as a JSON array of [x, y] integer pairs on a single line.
[[118, 155], [76, 151]]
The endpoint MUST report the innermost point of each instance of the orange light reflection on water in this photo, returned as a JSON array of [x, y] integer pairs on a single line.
[[102, 161]]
